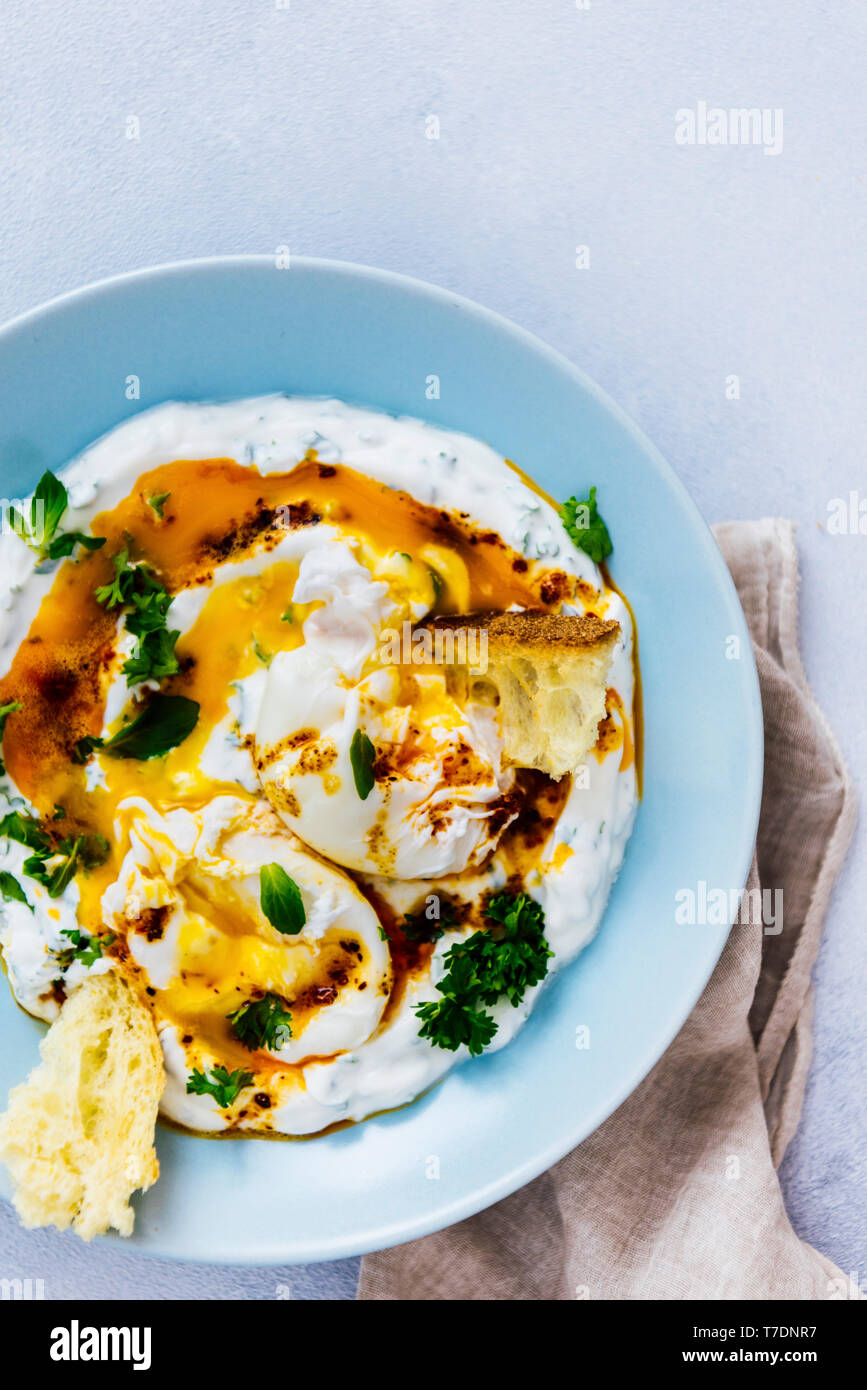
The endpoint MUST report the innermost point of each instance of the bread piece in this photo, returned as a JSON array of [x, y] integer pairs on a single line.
[[78, 1136], [550, 672]]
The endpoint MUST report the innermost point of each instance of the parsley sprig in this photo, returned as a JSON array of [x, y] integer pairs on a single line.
[[223, 1085], [54, 865], [586, 527], [500, 963], [262, 1023], [418, 926], [136, 587], [84, 949], [39, 531]]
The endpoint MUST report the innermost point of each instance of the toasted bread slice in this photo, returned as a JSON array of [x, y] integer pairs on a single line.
[[78, 1136], [549, 671]]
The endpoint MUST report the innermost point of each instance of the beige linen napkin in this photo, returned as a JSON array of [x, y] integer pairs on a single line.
[[676, 1196]]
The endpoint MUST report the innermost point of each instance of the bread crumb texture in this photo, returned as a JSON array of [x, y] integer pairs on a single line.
[[549, 672], [78, 1136]]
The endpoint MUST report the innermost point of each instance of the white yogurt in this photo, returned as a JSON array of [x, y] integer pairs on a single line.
[[390, 1065]]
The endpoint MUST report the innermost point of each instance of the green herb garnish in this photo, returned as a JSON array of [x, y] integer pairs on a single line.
[[11, 889], [262, 1023], [158, 501], [136, 587], [223, 1085], [586, 527], [55, 868], [280, 899], [84, 949], [164, 723], [502, 963], [24, 830], [85, 747], [262, 654], [49, 502], [153, 658], [417, 926], [362, 756]]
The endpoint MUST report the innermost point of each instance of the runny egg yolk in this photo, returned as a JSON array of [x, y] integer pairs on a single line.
[[220, 512]]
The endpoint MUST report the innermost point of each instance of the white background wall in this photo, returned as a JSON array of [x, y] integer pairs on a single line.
[[306, 126]]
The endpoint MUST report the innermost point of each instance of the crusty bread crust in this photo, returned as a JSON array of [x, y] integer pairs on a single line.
[[549, 672], [536, 631]]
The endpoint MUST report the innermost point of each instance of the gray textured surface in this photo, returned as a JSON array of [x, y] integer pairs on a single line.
[[305, 126]]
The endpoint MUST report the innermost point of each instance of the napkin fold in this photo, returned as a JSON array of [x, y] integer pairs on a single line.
[[676, 1195]]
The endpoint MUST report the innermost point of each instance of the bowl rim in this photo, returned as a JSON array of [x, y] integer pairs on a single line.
[[478, 1198]]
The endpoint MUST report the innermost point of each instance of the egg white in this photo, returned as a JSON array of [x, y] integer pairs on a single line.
[[357, 1062]]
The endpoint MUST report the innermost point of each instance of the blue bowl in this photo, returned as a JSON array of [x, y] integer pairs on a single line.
[[242, 326]]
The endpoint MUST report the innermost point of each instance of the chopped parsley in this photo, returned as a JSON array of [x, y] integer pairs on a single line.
[[418, 926], [5, 711], [136, 587], [55, 868], [87, 950], [280, 900], [153, 658], [438, 583], [158, 501], [262, 654], [362, 756], [502, 963], [262, 1023], [223, 1085], [586, 527], [47, 506]]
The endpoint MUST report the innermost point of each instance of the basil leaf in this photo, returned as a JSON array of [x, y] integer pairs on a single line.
[[281, 900], [65, 544], [362, 755], [164, 723], [11, 889], [49, 502]]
